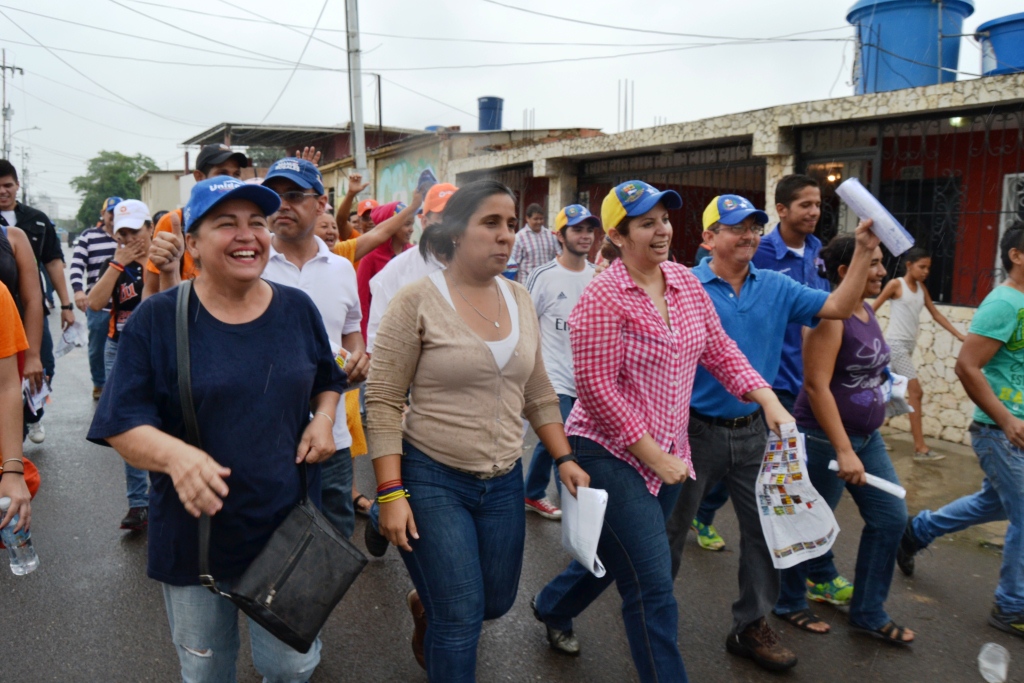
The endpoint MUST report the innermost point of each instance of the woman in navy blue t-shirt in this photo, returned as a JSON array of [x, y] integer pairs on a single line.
[[261, 364]]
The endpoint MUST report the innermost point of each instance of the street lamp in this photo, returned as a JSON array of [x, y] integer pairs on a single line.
[[7, 142]]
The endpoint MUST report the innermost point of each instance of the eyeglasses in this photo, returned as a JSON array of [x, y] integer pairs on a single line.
[[296, 197], [740, 230]]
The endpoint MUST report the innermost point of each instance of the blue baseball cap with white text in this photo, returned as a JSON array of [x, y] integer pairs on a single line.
[[301, 172], [208, 193]]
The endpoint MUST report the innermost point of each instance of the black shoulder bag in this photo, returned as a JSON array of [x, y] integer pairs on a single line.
[[306, 567]]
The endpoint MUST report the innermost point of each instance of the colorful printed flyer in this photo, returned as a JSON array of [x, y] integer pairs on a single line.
[[798, 524]]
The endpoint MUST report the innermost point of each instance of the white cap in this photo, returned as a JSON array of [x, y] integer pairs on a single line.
[[131, 214]]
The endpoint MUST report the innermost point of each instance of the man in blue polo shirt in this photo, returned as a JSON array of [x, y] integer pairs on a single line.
[[727, 436]]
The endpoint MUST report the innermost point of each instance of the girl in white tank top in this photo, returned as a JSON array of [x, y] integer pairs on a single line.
[[907, 296]]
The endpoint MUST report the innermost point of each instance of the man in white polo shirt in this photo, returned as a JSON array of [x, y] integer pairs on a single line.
[[410, 265], [298, 258], [555, 287]]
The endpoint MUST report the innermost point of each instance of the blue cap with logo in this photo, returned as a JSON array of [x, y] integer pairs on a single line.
[[301, 172], [109, 204], [635, 198], [731, 209], [208, 193], [574, 214]]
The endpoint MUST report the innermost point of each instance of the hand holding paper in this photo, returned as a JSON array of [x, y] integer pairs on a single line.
[[582, 521], [877, 482]]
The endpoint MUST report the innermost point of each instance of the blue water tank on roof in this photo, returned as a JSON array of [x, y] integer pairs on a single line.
[[1002, 45], [490, 112], [899, 42]]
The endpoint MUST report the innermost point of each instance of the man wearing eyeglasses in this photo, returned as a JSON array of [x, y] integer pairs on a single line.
[[298, 258], [727, 436]]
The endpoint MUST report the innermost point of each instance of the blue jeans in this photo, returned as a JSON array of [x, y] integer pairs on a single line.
[[204, 628], [1001, 497], [716, 498], [466, 563], [136, 480], [98, 324], [884, 515], [336, 491], [542, 463], [634, 549]]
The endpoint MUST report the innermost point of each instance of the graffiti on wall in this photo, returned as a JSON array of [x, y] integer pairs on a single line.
[[396, 178]]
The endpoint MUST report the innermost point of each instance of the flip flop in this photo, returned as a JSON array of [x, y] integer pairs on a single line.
[[802, 619], [360, 510], [890, 633]]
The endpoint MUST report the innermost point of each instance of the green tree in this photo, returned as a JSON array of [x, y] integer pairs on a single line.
[[111, 174]]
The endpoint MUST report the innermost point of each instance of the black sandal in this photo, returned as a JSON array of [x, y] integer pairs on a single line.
[[890, 633], [360, 510], [802, 619]]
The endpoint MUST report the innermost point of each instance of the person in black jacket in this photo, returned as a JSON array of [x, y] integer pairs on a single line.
[[49, 255]]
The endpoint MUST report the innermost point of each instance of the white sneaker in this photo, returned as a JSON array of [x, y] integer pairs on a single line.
[[36, 432]]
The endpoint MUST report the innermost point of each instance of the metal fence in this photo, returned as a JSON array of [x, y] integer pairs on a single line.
[[955, 182], [698, 175]]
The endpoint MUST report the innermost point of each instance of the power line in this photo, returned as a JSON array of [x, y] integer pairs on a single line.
[[158, 41], [267, 20], [98, 123], [432, 99], [627, 28], [691, 46], [297, 62], [173, 63], [97, 83]]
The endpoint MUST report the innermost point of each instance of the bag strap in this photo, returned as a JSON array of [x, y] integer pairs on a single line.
[[188, 412]]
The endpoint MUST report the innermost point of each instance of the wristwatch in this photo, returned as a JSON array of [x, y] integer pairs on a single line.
[[69, 307]]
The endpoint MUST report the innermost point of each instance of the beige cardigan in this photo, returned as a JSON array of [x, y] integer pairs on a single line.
[[464, 411]]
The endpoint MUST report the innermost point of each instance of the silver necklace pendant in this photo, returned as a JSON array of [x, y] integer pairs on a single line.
[[496, 324]]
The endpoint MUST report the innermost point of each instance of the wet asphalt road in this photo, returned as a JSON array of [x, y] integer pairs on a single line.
[[90, 614]]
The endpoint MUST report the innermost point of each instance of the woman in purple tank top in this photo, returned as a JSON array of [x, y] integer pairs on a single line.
[[840, 409]]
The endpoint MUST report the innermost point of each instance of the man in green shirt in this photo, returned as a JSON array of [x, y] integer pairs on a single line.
[[991, 368]]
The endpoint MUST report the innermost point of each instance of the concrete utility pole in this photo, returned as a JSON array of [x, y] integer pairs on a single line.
[[357, 135], [7, 113]]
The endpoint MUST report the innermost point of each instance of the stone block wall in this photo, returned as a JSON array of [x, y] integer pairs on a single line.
[[946, 410]]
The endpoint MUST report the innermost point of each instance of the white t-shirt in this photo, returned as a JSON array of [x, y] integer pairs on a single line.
[[503, 348], [330, 281], [799, 252], [409, 266], [9, 217], [555, 291]]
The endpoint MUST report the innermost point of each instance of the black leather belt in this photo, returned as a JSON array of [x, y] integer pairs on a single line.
[[732, 423]]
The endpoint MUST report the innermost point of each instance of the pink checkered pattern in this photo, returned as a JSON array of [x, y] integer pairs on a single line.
[[634, 375]]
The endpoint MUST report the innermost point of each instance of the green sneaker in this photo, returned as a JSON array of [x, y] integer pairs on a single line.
[[838, 591], [707, 536]]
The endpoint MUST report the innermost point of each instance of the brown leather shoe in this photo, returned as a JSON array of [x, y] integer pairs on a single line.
[[761, 644], [419, 620]]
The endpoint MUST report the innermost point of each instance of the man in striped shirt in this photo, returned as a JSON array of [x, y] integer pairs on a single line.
[[535, 245], [93, 251]]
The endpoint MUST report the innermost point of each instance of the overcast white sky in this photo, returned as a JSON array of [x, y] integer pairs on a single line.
[[233, 66]]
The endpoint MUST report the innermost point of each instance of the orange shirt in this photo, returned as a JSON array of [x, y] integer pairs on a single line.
[[347, 249], [188, 266], [12, 333]]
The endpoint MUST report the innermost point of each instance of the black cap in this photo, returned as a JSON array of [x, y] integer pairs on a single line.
[[211, 155]]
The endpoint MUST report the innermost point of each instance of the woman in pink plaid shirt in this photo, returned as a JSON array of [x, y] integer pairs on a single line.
[[637, 334]]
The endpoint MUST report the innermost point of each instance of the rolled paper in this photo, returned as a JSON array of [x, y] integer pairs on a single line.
[[893, 235], [877, 482]]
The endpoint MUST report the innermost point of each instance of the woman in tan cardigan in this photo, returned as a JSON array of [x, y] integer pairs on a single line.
[[450, 480]]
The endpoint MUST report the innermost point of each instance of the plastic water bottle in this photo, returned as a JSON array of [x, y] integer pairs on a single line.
[[19, 544], [993, 662]]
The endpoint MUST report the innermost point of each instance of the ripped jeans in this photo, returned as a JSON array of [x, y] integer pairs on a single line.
[[204, 628]]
